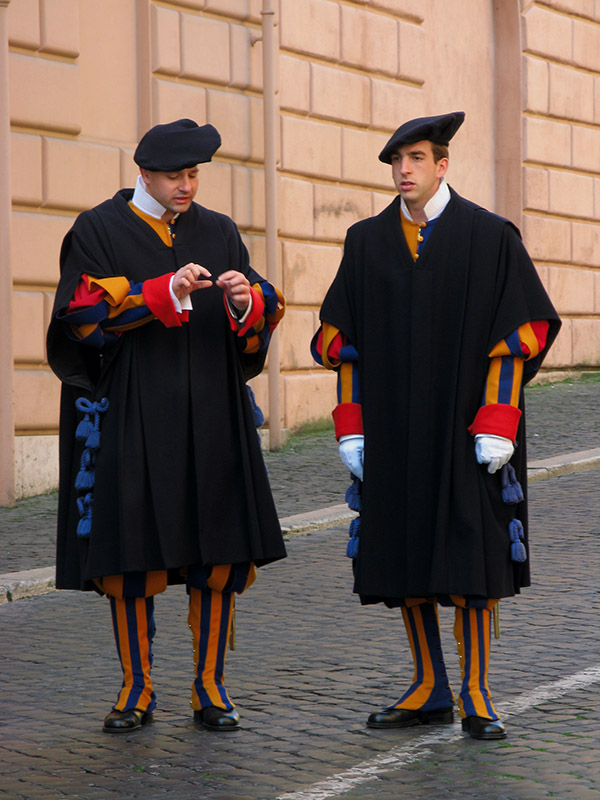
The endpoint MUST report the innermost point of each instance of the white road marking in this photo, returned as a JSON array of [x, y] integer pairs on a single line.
[[398, 757]]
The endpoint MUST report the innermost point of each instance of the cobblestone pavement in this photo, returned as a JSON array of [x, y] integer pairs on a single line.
[[310, 665]]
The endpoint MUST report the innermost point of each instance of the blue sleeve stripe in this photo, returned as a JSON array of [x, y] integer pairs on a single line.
[[86, 316], [269, 296], [348, 353], [128, 317], [514, 344], [507, 375], [355, 384]]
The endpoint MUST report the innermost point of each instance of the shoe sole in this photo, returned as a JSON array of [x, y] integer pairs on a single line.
[[219, 728], [486, 737], [146, 720], [424, 718], [490, 737]]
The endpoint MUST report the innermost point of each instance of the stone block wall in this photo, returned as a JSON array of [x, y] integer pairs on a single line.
[[561, 167], [86, 79]]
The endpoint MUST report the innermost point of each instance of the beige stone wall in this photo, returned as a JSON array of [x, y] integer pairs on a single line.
[[561, 170], [86, 79]]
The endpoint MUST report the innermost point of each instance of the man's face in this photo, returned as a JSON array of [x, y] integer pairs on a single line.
[[415, 173], [173, 190]]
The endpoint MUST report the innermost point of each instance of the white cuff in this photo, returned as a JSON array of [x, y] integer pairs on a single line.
[[185, 304], [235, 312]]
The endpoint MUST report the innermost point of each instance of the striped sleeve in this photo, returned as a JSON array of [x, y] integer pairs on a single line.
[[331, 348], [268, 307], [103, 308], [499, 413]]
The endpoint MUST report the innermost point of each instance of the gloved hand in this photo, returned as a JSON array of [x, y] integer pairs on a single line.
[[351, 452], [495, 451]]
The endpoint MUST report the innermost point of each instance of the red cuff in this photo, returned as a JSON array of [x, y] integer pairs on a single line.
[[158, 299], [498, 419], [258, 308], [347, 418]]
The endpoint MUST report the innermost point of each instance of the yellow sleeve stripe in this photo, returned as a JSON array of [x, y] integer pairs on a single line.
[[81, 331], [132, 301], [345, 381], [130, 325], [493, 381], [252, 344], [501, 349], [528, 337], [116, 289], [518, 365], [329, 334]]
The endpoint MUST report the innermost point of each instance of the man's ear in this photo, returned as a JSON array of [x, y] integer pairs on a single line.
[[442, 167]]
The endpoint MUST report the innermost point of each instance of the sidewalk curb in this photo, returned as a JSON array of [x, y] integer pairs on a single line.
[[28, 583], [583, 461], [34, 582]]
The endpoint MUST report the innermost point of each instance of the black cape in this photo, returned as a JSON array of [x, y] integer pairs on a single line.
[[179, 476], [433, 521]]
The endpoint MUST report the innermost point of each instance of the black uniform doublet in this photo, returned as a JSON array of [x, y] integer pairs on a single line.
[[433, 520]]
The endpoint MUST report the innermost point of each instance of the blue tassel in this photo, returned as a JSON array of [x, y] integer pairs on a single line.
[[85, 476], [354, 530], [88, 432], [517, 535], [84, 429], [84, 527], [353, 496], [518, 552], [257, 414], [84, 480], [93, 440], [84, 505], [512, 493]]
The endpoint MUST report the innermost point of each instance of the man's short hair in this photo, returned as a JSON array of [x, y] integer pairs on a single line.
[[439, 151]]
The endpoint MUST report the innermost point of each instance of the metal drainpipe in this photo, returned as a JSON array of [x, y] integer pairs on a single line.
[[144, 68], [270, 115], [7, 422]]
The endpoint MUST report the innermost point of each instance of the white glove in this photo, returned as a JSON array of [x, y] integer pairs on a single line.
[[495, 451], [351, 452]]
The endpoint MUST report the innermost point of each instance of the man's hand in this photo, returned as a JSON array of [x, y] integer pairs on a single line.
[[352, 448], [495, 451], [187, 279], [236, 287]]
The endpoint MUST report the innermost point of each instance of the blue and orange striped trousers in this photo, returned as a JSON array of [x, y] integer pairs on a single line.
[[211, 600], [430, 689]]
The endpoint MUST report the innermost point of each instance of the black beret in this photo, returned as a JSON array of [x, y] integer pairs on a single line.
[[176, 145], [438, 129]]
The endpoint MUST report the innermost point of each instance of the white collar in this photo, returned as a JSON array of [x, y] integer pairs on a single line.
[[145, 202], [434, 206]]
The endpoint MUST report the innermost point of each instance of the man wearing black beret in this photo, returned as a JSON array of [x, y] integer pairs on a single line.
[[159, 320], [434, 323]]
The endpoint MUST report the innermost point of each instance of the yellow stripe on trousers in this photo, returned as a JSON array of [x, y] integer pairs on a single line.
[[472, 634], [134, 627], [209, 619]]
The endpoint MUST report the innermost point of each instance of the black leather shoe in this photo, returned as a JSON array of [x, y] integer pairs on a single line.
[[217, 719], [482, 728], [405, 717], [126, 721]]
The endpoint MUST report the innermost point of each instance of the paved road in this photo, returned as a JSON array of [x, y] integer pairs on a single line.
[[310, 665]]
